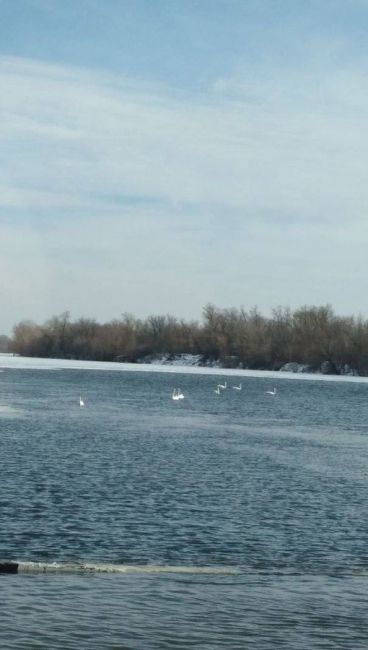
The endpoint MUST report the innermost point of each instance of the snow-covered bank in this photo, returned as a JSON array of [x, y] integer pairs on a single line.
[[184, 359], [34, 363], [199, 361]]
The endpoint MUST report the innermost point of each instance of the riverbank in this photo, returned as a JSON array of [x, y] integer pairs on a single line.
[[36, 363], [199, 361]]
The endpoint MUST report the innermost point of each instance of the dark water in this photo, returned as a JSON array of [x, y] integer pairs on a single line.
[[232, 521]]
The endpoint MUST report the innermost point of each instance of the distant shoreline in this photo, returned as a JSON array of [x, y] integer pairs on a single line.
[[186, 360], [9, 362], [307, 340]]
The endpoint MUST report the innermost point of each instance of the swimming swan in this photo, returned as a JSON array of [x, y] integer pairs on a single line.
[[177, 394], [271, 392]]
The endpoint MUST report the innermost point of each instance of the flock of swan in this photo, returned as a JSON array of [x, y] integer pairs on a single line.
[[177, 394]]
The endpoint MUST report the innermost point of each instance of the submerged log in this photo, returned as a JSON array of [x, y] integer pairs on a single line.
[[8, 567]]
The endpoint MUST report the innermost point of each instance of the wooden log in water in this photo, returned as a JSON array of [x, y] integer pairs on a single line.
[[8, 567]]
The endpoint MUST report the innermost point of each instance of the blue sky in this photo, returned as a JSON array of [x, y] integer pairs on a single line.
[[159, 155]]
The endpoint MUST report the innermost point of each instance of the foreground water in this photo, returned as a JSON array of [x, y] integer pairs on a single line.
[[218, 521]]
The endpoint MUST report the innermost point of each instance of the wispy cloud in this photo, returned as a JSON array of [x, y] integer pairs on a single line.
[[86, 138], [144, 181]]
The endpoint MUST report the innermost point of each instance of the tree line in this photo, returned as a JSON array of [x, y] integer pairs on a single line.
[[313, 336]]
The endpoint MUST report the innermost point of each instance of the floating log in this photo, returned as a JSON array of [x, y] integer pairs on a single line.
[[8, 567]]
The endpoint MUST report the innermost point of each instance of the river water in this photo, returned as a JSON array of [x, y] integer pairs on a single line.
[[236, 520]]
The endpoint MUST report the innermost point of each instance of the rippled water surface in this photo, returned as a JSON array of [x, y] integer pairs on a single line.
[[218, 521]]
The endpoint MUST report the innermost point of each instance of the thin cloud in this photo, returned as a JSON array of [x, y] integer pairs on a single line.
[[77, 136], [127, 187]]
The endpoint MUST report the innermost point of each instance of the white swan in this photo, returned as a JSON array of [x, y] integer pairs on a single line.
[[237, 387], [81, 402], [222, 385], [271, 392], [217, 390], [177, 394]]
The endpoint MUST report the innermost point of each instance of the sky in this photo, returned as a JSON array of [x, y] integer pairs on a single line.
[[157, 156]]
